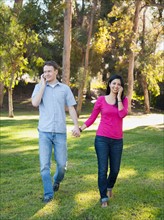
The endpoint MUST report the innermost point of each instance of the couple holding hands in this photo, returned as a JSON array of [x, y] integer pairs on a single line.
[[52, 97]]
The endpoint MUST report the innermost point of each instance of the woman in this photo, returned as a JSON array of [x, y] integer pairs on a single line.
[[109, 136]]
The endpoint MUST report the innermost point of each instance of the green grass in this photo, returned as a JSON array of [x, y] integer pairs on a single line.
[[138, 194]]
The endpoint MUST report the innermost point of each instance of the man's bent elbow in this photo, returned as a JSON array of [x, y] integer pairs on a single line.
[[34, 104]]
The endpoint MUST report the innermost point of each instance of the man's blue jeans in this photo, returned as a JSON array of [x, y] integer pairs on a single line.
[[47, 140], [107, 150]]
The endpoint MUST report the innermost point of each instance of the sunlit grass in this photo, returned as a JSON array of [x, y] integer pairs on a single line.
[[138, 194], [49, 209], [157, 174], [127, 173]]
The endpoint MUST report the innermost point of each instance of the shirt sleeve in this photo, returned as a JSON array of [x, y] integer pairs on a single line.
[[70, 100], [122, 113], [95, 112], [35, 91]]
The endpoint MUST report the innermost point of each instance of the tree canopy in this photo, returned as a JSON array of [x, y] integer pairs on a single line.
[[100, 47]]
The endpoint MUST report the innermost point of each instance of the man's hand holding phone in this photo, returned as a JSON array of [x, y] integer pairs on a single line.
[[43, 80]]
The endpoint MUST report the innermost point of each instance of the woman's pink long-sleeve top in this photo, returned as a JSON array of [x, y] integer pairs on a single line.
[[111, 121]]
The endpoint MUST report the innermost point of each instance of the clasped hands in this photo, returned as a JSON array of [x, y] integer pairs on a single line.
[[76, 132]]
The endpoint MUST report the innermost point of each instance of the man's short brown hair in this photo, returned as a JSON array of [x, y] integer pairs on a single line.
[[52, 63]]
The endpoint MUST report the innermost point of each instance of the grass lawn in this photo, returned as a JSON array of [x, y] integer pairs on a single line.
[[138, 193]]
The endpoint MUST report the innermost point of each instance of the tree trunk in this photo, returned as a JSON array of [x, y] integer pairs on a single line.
[[132, 55], [146, 94], [18, 4], [83, 79], [67, 42], [88, 89], [10, 102], [1, 94], [10, 95], [143, 77], [130, 80]]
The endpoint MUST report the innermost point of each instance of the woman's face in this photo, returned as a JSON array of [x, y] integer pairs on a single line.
[[115, 86]]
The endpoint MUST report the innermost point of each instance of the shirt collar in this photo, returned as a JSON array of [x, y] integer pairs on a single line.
[[53, 85]]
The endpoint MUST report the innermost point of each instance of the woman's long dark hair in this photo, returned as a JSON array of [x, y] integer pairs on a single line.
[[113, 77]]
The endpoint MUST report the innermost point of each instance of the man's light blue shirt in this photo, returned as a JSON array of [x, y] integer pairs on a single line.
[[52, 117]]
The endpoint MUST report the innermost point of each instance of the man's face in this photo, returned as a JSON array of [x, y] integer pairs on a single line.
[[50, 73]]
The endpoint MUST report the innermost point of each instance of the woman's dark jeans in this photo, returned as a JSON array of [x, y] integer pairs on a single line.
[[107, 149]]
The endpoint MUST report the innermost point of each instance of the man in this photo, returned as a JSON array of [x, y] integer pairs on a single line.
[[52, 97]]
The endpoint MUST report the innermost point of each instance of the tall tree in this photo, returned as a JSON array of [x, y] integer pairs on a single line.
[[138, 4], [149, 65], [67, 41], [86, 60], [14, 44], [143, 76], [113, 39]]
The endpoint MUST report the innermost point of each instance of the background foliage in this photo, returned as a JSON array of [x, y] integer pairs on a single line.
[[27, 41]]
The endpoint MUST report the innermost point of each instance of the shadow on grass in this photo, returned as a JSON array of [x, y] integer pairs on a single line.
[[138, 191]]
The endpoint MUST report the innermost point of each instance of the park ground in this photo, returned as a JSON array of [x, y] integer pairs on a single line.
[[138, 194]]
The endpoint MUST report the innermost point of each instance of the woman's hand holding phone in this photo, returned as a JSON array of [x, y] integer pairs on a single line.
[[120, 92]]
